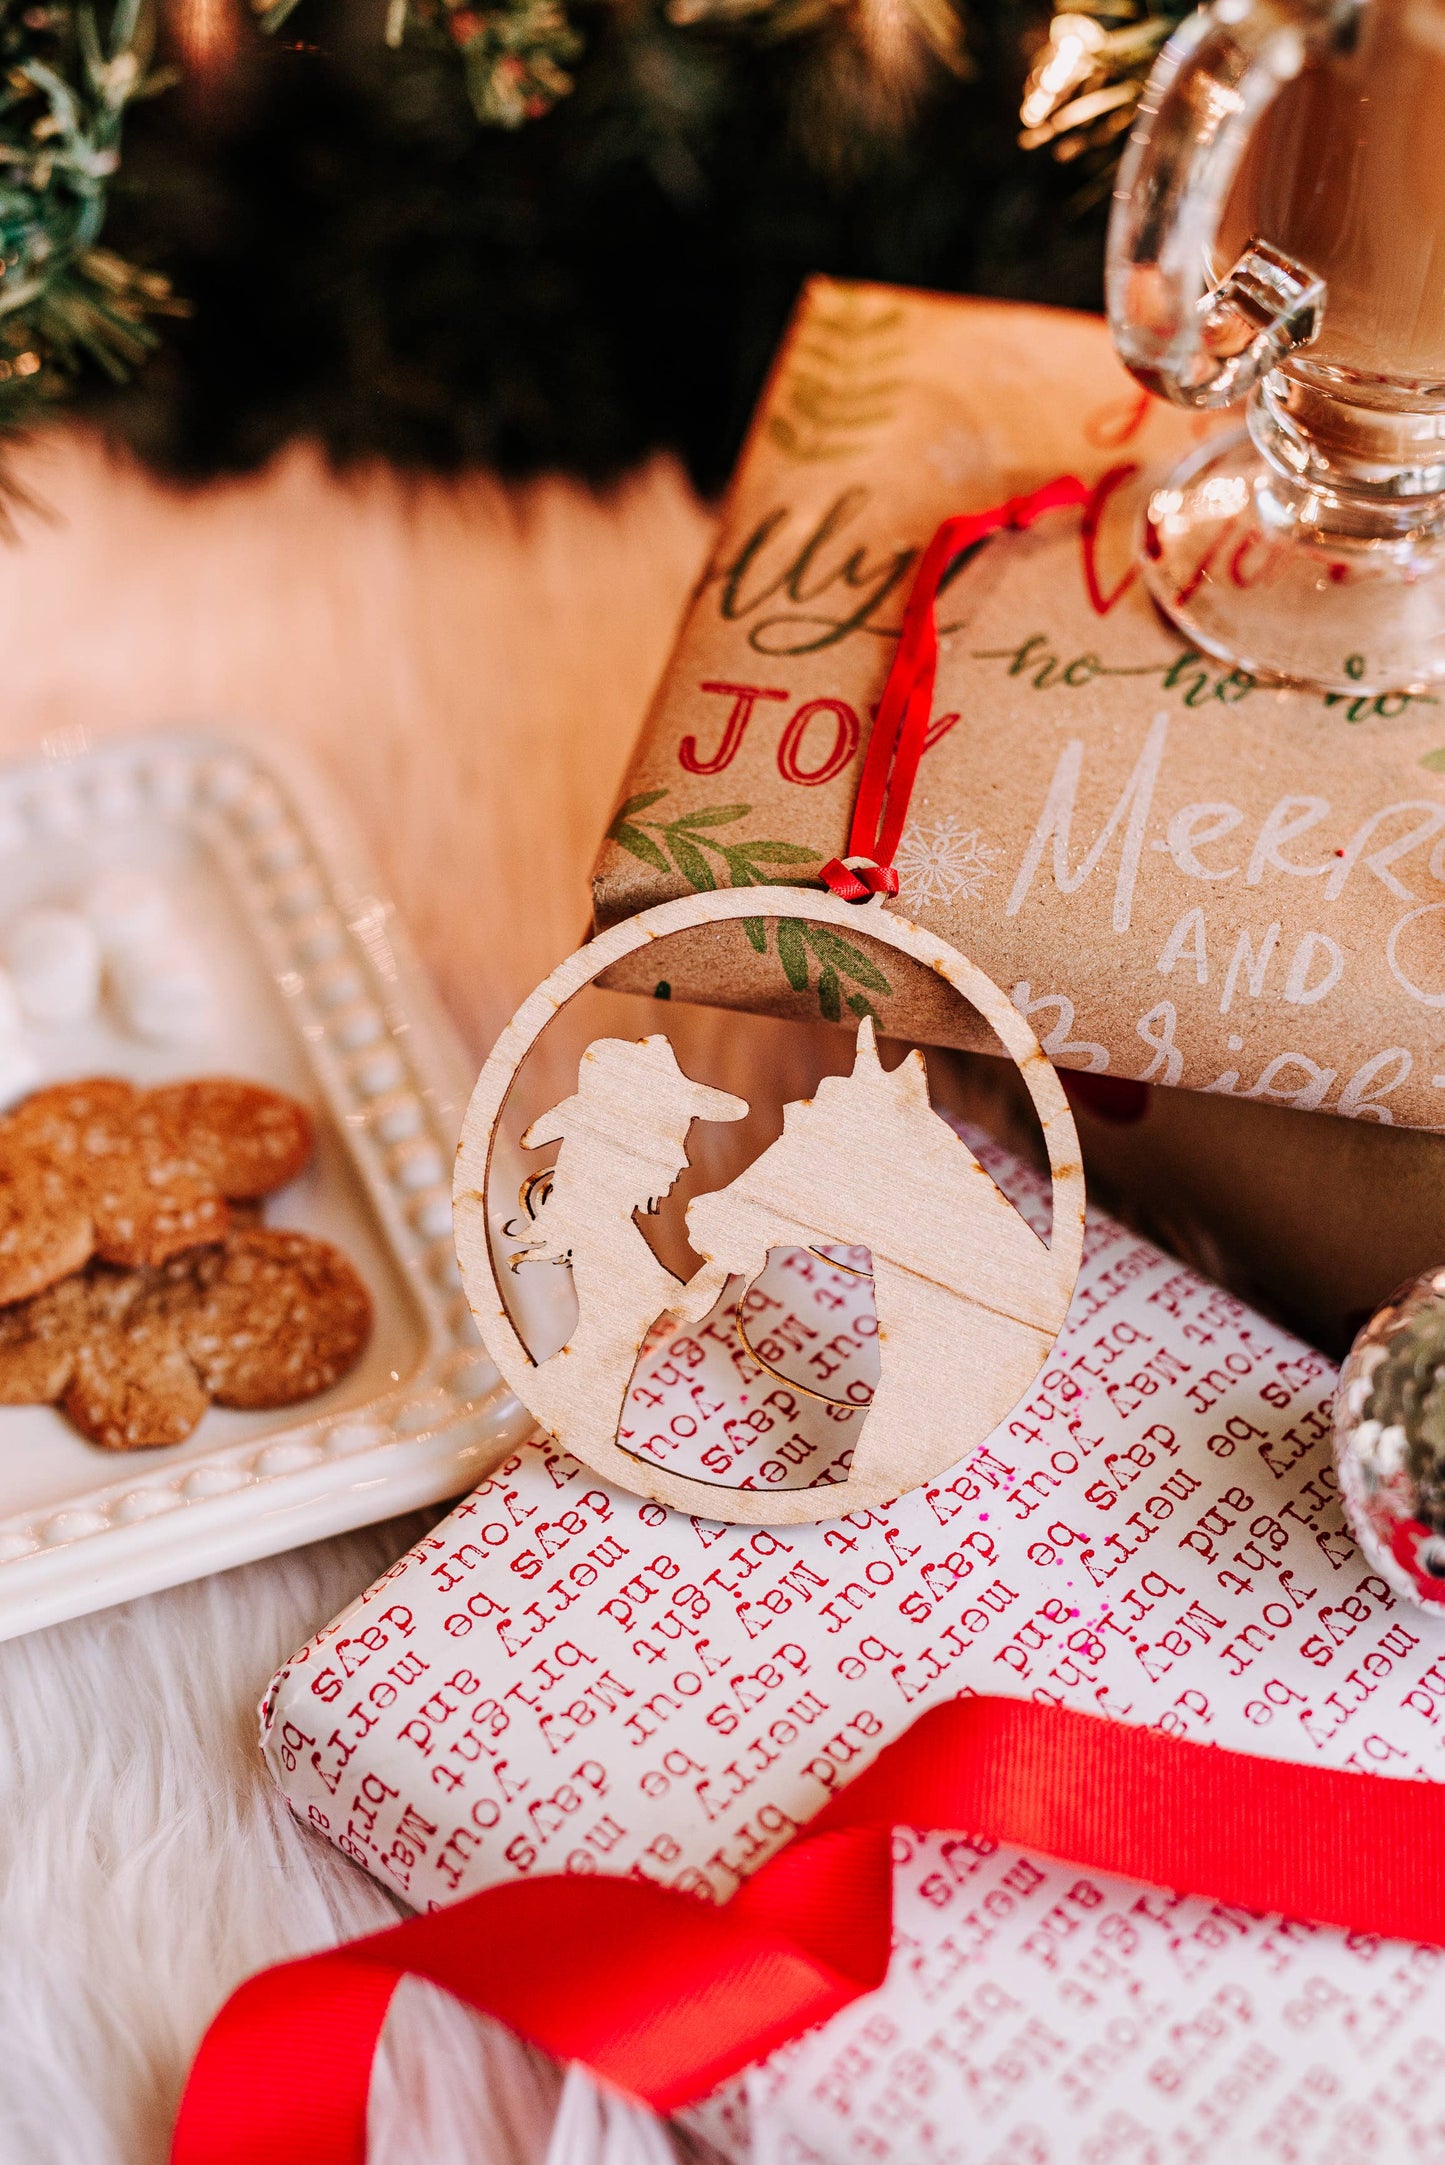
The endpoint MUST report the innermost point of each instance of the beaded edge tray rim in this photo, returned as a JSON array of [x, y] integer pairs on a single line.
[[290, 859]]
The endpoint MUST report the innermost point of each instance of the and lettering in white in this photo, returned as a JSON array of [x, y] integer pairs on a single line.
[[1254, 965], [1297, 989], [1186, 941]]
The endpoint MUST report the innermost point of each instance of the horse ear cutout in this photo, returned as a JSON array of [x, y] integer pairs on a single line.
[[720, 1105], [910, 1080], [865, 1055]]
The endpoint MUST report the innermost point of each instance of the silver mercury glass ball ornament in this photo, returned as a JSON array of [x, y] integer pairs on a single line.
[[1390, 1440]]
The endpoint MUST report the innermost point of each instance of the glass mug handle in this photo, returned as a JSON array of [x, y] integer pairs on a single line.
[[1191, 342]]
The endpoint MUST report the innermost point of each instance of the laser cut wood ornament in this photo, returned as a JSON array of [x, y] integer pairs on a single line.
[[969, 1299]]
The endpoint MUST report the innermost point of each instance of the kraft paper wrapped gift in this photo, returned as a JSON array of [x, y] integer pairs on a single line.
[[561, 1677], [1185, 879]]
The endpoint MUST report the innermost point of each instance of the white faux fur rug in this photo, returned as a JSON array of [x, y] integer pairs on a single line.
[[470, 664], [147, 1866]]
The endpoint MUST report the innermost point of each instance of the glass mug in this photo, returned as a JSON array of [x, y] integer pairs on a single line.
[[1278, 231]]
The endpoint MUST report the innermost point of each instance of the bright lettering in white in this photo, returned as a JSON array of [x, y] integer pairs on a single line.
[[1360, 1098], [1292, 816], [1379, 861], [1080, 1053], [1157, 1028], [1416, 992], [1190, 830], [1308, 1095]]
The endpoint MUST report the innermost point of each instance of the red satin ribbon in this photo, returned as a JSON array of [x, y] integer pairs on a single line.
[[664, 1996], [896, 745]]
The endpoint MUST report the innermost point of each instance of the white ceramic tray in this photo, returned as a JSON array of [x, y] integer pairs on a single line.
[[318, 994]]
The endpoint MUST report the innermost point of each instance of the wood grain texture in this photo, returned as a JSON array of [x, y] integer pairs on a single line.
[[623, 1137], [969, 1299], [470, 665]]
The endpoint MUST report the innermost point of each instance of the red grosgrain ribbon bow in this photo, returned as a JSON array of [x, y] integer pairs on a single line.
[[896, 745], [665, 1996]]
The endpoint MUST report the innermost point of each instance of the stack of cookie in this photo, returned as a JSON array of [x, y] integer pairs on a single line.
[[138, 1285]]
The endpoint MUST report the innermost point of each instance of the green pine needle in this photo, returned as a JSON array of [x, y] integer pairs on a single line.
[[66, 304]]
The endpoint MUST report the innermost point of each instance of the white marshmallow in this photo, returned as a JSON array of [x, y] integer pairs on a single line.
[[54, 959], [163, 991], [128, 909]]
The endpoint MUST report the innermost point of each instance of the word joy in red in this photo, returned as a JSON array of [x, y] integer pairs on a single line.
[[800, 743]]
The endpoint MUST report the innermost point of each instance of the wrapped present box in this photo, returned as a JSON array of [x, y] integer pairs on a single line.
[[1191, 878], [1187, 880], [553, 1623], [561, 1677]]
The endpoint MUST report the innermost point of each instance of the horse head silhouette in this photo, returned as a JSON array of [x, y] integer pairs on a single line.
[[962, 1284]]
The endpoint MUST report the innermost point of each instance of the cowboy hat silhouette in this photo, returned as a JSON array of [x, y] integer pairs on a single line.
[[632, 1096]]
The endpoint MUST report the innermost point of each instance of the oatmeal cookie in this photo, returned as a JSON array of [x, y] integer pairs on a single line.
[[263, 1318], [102, 1169]]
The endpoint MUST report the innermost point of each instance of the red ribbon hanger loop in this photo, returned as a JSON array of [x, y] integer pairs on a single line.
[[905, 710]]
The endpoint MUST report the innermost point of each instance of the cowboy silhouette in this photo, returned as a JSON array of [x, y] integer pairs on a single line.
[[624, 1143]]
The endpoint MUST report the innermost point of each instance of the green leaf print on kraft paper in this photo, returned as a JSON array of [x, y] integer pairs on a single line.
[[841, 381], [687, 840]]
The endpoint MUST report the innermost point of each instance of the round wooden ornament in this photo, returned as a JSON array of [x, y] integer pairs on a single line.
[[969, 1299]]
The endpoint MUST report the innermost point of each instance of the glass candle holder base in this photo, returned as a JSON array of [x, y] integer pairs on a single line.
[[1294, 583]]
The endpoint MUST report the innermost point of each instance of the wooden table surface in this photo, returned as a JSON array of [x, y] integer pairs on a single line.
[[470, 665]]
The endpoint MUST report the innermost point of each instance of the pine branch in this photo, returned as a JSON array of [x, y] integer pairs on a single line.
[[1086, 80], [517, 55], [66, 304]]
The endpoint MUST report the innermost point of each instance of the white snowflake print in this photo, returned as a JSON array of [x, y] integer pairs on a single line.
[[941, 861]]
